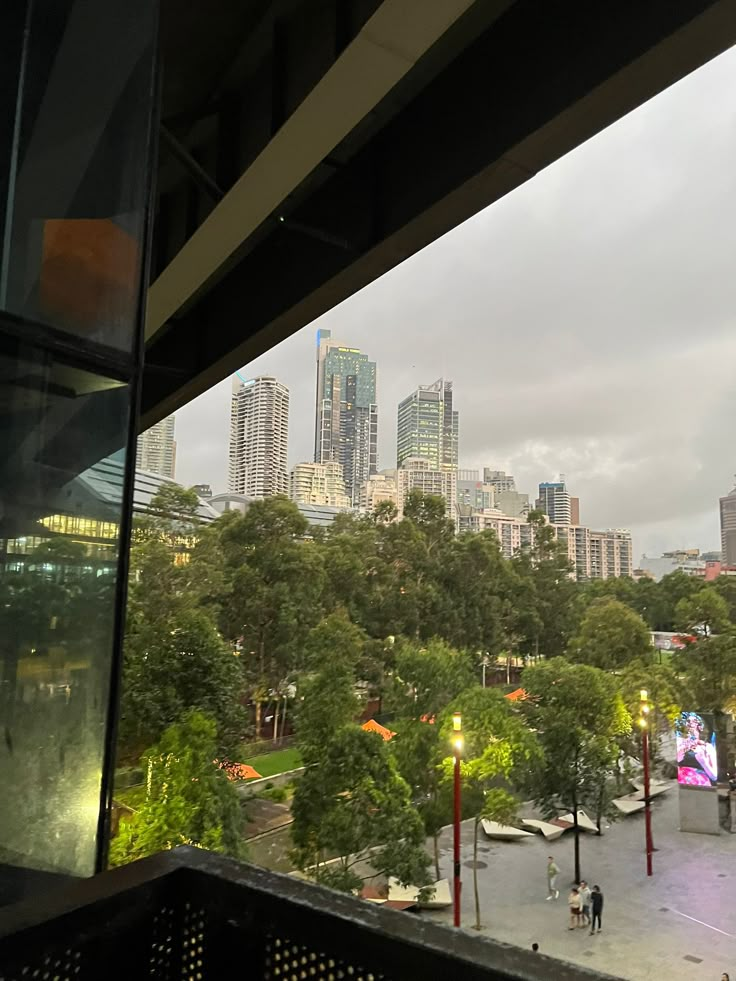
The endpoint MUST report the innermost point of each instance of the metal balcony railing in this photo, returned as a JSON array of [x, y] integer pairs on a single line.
[[194, 916]]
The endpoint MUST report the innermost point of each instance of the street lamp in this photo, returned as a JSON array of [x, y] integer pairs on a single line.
[[457, 746], [644, 723]]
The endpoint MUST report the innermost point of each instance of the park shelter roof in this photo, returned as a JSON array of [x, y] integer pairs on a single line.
[[372, 726]]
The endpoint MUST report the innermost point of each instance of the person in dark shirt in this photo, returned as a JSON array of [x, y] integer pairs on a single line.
[[596, 908]]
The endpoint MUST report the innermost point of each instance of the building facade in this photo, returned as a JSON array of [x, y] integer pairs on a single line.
[[156, 449], [378, 489], [428, 427], [259, 437], [418, 474], [318, 483], [346, 423], [554, 501], [728, 528], [611, 554], [472, 492]]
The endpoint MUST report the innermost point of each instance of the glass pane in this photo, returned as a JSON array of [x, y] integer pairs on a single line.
[[74, 125], [61, 483]]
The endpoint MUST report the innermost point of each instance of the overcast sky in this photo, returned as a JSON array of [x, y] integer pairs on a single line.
[[586, 320]]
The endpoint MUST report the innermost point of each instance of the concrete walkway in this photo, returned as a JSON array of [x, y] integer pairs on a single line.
[[679, 925]]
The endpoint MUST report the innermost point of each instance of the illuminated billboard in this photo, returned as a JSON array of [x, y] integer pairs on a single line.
[[695, 737]]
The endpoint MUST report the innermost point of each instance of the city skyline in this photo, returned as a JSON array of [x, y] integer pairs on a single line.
[[601, 350]]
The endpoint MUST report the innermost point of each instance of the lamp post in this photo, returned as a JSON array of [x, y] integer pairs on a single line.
[[644, 723], [457, 746]]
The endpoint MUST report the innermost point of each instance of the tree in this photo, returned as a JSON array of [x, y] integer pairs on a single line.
[[497, 745], [175, 664], [708, 670], [354, 810], [327, 698], [672, 588], [610, 636], [274, 583], [547, 617], [704, 612], [425, 678], [579, 715], [189, 801]]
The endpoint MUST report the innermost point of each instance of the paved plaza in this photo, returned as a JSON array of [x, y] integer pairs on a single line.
[[679, 925]]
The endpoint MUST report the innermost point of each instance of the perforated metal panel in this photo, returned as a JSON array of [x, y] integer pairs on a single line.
[[289, 961], [65, 966]]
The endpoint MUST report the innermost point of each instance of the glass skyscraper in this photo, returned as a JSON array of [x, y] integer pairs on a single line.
[[346, 428], [428, 426]]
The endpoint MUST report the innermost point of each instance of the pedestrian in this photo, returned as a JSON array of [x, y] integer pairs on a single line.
[[552, 872], [535, 948], [725, 977], [596, 906], [585, 895], [573, 901]]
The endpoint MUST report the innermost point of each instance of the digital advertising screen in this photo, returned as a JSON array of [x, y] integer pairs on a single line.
[[695, 738]]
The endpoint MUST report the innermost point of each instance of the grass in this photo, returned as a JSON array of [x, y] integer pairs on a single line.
[[279, 761]]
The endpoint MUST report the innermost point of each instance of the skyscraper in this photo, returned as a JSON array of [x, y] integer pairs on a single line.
[[728, 528], [554, 500], [259, 435], [428, 427], [346, 423], [318, 483], [156, 449]]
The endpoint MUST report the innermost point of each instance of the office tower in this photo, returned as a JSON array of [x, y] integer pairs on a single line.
[[554, 500], [507, 498], [318, 483], [346, 423], [259, 434], [419, 474], [156, 449], [428, 427], [728, 528]]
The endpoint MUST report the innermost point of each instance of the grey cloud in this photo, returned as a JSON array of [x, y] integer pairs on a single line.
[[586, 321]]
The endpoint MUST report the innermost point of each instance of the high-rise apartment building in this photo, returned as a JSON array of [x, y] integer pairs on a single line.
[[428, 427], [379, 487], [472, 492], [259, 436], [611, 554], [728, 528], [346, 424], [501, 480], [554, 500], [419, 474], [156, 449], [507, 498], [318, 483]]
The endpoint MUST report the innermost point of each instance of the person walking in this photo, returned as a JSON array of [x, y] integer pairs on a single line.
[[596, 906], [585, 896], [573, 901], [552, 872]]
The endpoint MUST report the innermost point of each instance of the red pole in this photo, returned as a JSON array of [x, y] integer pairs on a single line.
[[456, 840], [647, 808]]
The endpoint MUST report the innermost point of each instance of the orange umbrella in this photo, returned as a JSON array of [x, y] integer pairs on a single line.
[[516, 696]]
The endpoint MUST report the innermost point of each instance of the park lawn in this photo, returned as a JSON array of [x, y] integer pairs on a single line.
[[279, 761]]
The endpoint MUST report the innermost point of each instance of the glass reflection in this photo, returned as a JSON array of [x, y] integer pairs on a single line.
[[59, 545]]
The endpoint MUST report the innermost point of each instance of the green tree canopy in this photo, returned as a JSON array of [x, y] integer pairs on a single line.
[[610, 636], [353, 816], [189, 801], [704, 612], [426, 677], [579, 716]]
